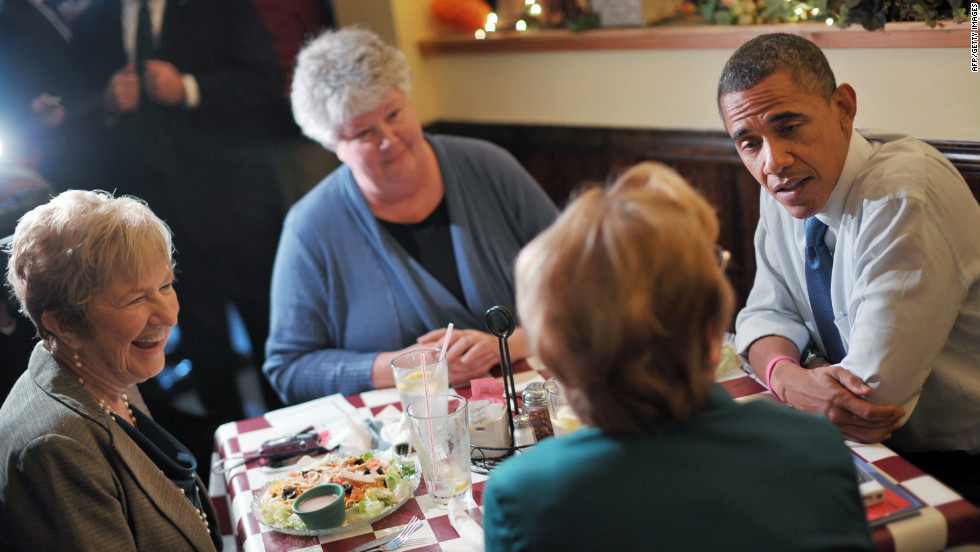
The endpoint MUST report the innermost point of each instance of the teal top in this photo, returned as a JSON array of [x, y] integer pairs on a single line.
[[755, 476]]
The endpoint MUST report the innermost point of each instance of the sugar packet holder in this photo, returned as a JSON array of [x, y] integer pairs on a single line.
[[489, 427]]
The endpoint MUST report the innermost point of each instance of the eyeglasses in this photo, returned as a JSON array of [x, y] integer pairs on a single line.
[[723, 255]]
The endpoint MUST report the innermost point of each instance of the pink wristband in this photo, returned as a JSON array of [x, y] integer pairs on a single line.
[[772, 364]]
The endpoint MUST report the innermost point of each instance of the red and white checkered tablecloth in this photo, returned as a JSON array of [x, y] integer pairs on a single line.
[[947, 521]]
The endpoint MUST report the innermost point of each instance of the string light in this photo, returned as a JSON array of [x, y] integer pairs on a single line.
[[521, 25], [480, 34], [535, 10]]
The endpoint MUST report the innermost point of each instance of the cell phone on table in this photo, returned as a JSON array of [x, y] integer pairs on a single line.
[[872, 492]]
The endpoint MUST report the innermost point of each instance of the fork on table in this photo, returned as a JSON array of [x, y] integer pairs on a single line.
[[401, 538]]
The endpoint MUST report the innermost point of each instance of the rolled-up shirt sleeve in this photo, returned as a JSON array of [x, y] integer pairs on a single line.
[[907, 293], [772, 307]]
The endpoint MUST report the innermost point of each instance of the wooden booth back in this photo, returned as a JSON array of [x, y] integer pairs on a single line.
[[567, 159]]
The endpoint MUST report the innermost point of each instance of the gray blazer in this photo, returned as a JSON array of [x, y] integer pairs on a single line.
[[71, 479]]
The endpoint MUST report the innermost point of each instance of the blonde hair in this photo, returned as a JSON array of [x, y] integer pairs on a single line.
[[663, 180], [621, 297], [66, 251]]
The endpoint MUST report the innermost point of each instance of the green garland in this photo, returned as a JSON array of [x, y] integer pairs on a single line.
[[870, 14]]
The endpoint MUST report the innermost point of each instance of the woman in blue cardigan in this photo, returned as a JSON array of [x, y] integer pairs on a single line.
[[412, 233], [625, 301]]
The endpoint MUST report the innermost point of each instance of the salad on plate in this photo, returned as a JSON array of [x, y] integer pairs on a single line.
[[730, 365], [375, 484]]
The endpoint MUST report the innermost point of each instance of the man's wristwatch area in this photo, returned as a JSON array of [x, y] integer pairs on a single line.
[[808, 356]]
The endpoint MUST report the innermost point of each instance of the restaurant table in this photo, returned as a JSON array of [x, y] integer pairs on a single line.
[[945, 522]]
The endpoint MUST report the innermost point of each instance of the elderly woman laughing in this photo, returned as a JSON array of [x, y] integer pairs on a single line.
[[83, 466]]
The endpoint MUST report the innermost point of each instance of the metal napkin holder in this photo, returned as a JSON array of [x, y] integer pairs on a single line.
[[500, 322]]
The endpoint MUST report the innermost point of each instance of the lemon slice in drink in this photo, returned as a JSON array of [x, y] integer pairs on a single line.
[[412, 384], [452, 478], [565, 418]]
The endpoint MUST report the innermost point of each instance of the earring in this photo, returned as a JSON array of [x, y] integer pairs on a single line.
[[78, 363]]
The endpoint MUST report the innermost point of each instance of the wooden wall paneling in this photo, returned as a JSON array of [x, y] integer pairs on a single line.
[[566, 159], [966, 157]]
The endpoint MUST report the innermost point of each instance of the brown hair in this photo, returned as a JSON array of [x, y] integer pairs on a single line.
[[621, 297]]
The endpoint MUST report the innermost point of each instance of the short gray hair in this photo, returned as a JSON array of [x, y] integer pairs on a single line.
[[342, 74], [66, 251], [772, 53]]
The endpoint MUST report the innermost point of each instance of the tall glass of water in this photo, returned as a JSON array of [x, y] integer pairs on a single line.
[[440, 430]]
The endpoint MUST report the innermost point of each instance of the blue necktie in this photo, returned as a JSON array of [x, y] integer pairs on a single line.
[[818, 266]]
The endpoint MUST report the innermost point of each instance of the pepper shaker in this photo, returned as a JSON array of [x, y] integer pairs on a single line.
[[536, 406]]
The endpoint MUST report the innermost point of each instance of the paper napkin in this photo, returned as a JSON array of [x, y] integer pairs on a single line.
[[395, 428], [468, 529], [355, 437]]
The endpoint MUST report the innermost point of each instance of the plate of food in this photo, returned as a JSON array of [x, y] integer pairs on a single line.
[[375, 483]]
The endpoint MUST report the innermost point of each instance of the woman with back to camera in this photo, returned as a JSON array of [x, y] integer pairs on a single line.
[[624, 299], [83, 466], [413, 232]]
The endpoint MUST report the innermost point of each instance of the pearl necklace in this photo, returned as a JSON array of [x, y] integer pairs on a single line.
[[102, 404], [197, 491], [132, 419], [105, 406], [200, 512]]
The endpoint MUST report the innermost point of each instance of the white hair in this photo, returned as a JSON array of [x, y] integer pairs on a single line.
[[340, 75]]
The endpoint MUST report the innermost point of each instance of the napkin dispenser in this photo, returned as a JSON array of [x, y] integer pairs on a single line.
[[489, 429]]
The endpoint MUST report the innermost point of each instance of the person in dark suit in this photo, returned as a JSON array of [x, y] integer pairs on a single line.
[[33, 51], [187, 90], [300, 161], [33, 66], [83, 466], [36, 129], [21, 189]]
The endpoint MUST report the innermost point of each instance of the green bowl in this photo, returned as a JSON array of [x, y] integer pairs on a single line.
[[326, 517]]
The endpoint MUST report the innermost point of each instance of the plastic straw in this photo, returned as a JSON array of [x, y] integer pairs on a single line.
[[425, 384], [445, 344], [428, 414]]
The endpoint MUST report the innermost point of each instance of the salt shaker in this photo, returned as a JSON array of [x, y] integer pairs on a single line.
[[523, 433], [536, 406]]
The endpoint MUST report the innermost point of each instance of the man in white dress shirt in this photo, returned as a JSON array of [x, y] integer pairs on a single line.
[[895, 355]]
